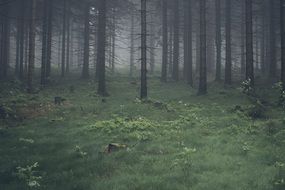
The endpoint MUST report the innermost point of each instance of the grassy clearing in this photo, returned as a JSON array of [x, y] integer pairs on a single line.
[[177, 140]]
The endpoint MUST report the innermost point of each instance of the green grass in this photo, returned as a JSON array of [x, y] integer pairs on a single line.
[[190, 142]]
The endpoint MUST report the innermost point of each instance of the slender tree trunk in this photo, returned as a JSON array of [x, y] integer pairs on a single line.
[[218, 41], [18, 33], [249, 43], [228, 68], [282, 30], [22, 41], [31, 65], [132, 50], [49, 39], [188, 61], [164, 41], [143, 93], [256, 44], [263, 32], [101, 49], [203, 49], [5, 43], [85, 71], [26, 50], [152, 48], [175, 72], [68, 38], [272, 41], [63, 41], [44, 43], [242, 40], [113, 56], [171, 49]]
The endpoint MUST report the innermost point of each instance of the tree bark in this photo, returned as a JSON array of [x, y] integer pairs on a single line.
[[164, 41], [228, 68], [143, 93], [63, 41], [188, 61], [272, 41], [282, 30], [101, 49], [175, 72], [249, 44], [203, 49], [68, 38], [132, 49], [44, 42], [85, 70], [32, 33], [218, 41]]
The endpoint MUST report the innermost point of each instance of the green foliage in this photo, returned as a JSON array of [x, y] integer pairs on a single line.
[[203, 143], [245, 147], [279, 86], [30, 141], [184, 158], [29, 175], [246, 87], [257, 110], [78, 151]]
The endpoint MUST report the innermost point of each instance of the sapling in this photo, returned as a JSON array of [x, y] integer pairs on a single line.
[[245, 148], [28, 174], [79, 151], [279, 87]]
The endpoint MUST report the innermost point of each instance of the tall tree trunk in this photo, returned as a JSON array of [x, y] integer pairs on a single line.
[[63, 41], [101, 48], [175, 72], [143, 93], [228, 68], [263, 34], [31, 65], [203, 49], [113, 55], [218, 41], [26, 50], [85, 71], [164, 41], [49, 39], [272, 41], [188, 61], [18, 33], [171, 49], [132, 48], [282, 30], [242, 39], [22, 37], [152, 47], [5, 43], [68, 37], [44, 43], [249, 43]]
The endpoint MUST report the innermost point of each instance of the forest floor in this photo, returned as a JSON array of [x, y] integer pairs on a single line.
[[174, 141]]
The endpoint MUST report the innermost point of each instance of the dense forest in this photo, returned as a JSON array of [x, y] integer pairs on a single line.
[[142, 94]]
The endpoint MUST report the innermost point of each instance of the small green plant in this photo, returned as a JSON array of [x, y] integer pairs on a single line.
[[245, 147], [29, 175], [246, 87], [257, 110], [184, 158], [280, 180], [30, 141], [79, 151], [280, 87]]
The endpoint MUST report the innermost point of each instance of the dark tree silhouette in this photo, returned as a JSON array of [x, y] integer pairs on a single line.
[[203, 49]]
